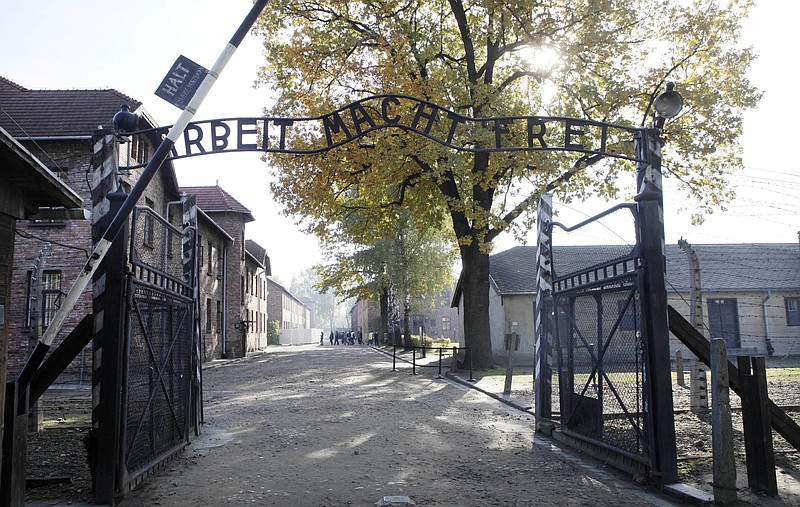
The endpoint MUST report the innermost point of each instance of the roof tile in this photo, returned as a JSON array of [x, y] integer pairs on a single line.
[[50, 113], [723, 267]]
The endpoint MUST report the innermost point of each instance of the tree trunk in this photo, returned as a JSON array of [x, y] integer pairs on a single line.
[[407, 341], [475, 293]]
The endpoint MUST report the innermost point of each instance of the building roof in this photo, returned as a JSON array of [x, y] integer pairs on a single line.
[[213, 199], [51, 114], [738, 267], [723, 267], [39, 187], [258, 253], [271, 282], [26, 113], [513, 271]]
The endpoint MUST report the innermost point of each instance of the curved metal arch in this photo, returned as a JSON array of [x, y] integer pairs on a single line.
[[268, 134]]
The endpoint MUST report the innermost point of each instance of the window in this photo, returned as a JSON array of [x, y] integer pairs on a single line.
[[792, 311], [211, 255], [446, 324], [200, 251], [140, 151], [219, 316], [52, 211], [149, 224], [630, 319], [51, 296], [208, 315], [723, 321]]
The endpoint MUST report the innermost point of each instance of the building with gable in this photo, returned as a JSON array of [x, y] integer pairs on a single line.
[[750, 294], [71, 133], [26, 185], [223, 275], [291, 314], [254, 295]]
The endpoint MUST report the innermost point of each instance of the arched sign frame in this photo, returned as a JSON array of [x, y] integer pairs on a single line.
[[269, 134]]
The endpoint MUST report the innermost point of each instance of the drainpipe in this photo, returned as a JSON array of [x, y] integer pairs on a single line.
[[767, 338], [225, 302], [166, 232]]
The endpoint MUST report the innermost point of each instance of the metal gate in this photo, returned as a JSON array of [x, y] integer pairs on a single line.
[[596, 309], [159, 384]]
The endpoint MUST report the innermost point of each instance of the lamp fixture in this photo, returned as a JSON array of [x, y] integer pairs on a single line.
[[125, 122], [667, 105]]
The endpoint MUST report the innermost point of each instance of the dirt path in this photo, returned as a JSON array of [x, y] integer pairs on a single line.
[[334, 426]]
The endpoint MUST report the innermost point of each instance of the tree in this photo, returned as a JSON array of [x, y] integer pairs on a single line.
[[409, 262], [491, 58], [307, 284]]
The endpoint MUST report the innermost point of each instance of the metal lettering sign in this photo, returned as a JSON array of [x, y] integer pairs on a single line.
[[179, 86], [453, 130]]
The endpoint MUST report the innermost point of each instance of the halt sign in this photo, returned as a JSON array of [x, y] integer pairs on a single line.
[[181, 82]]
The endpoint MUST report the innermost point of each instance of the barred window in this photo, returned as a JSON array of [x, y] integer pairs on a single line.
[[51, 296]]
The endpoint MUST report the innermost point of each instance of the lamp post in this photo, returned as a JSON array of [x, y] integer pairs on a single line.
[[648, 144]]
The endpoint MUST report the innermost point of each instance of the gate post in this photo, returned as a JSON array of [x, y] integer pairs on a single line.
[[543, 374], [658, 382], [107, 343]]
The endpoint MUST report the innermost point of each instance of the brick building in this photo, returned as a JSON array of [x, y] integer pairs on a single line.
[[223, 275], [254, 295], [71, 132], [25, 186], [212, 243], [286, 308]]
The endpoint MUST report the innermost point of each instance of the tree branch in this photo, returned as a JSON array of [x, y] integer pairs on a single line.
[[582, 163]]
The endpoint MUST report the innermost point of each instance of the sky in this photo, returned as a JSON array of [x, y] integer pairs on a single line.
[[91, 44]]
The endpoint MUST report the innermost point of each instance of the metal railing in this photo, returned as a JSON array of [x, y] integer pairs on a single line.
[[452, 352]]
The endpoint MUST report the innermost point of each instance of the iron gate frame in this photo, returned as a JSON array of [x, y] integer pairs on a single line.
[[580, 417], [173, 296], [584, 417], [660, 463]]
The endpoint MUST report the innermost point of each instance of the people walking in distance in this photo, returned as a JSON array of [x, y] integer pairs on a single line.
[[331, 337], [336, 340]]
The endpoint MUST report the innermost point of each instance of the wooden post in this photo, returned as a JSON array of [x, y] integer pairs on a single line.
[[512, 343], [698, 385], [721, 426], [108, 345], [679, 368], [14, 444], [658, 382], [757, 426], [543, 374]]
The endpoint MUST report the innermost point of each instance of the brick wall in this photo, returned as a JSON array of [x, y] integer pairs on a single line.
[[211, 289], [234, 225], [71, 241]]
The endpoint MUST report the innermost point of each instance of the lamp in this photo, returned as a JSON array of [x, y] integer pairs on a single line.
[[125, 122], [667, 105]]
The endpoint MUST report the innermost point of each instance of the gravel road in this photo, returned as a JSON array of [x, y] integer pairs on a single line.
[[334, 426]]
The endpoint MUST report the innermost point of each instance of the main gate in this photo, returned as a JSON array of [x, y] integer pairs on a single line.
[[159, 388], [597, 329]]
